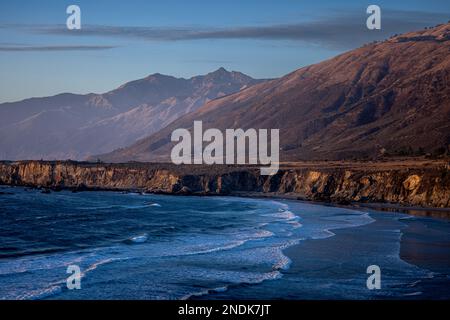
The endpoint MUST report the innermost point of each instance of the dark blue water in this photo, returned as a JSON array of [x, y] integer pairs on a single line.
[[132, 246]]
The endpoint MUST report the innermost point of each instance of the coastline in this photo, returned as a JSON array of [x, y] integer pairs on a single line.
[[344, 254], [340, 249], [423, 188], [440, 213]]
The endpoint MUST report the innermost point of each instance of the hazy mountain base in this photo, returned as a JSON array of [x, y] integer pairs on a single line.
[[69, 126]]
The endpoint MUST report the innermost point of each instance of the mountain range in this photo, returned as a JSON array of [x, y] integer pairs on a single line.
[[380, 99], [71, 126], [385, 98]]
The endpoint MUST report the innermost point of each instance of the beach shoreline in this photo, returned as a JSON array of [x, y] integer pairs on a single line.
[[341, 253], [442, 213], [304, 264]]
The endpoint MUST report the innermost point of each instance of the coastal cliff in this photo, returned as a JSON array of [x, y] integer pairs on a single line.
[[425, 185]]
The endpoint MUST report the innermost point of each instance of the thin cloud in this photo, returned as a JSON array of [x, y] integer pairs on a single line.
[[344, 30], [8, 48], [340, 31]]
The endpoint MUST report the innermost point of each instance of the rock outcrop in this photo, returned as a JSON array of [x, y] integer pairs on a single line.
[[427, 186]]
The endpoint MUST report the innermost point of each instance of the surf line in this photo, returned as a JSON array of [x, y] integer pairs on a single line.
[[236, 142]]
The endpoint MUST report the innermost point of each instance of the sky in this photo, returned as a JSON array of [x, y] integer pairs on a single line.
[[121, 41]]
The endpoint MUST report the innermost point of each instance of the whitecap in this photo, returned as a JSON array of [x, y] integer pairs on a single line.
[[138, 239]]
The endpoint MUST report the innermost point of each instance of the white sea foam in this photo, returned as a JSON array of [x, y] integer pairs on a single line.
[[417, 293], [56, 287], [40, 293], [260, 243], [139, 239], [154, 205]]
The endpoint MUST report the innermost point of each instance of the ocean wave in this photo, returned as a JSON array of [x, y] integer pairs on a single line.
[[56, 287], [204, 292], [417, 293], [281, 262], [40, 293], [273, 275], [248, 250], [137, 239], [118, 207], [153, 204]]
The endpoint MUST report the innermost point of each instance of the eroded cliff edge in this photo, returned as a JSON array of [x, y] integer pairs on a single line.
[[415, 184]]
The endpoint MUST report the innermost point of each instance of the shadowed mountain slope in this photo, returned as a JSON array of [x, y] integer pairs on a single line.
[[385, 97]]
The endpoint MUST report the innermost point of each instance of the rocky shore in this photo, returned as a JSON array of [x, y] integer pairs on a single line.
[[425, 184]]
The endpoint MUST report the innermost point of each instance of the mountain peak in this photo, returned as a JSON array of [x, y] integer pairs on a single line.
[[387, 98], [156, 76], [221, 70], [223, 74], [104, 122]]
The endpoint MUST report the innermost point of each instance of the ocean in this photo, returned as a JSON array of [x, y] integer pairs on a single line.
[[142, 246]]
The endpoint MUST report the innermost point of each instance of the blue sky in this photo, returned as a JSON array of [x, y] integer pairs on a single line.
[[126, 40]]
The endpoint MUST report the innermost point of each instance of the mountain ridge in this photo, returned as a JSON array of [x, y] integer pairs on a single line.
[[93, 123], [383, 98]]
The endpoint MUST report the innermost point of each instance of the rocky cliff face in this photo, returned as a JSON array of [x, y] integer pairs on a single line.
[[421, 186]]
